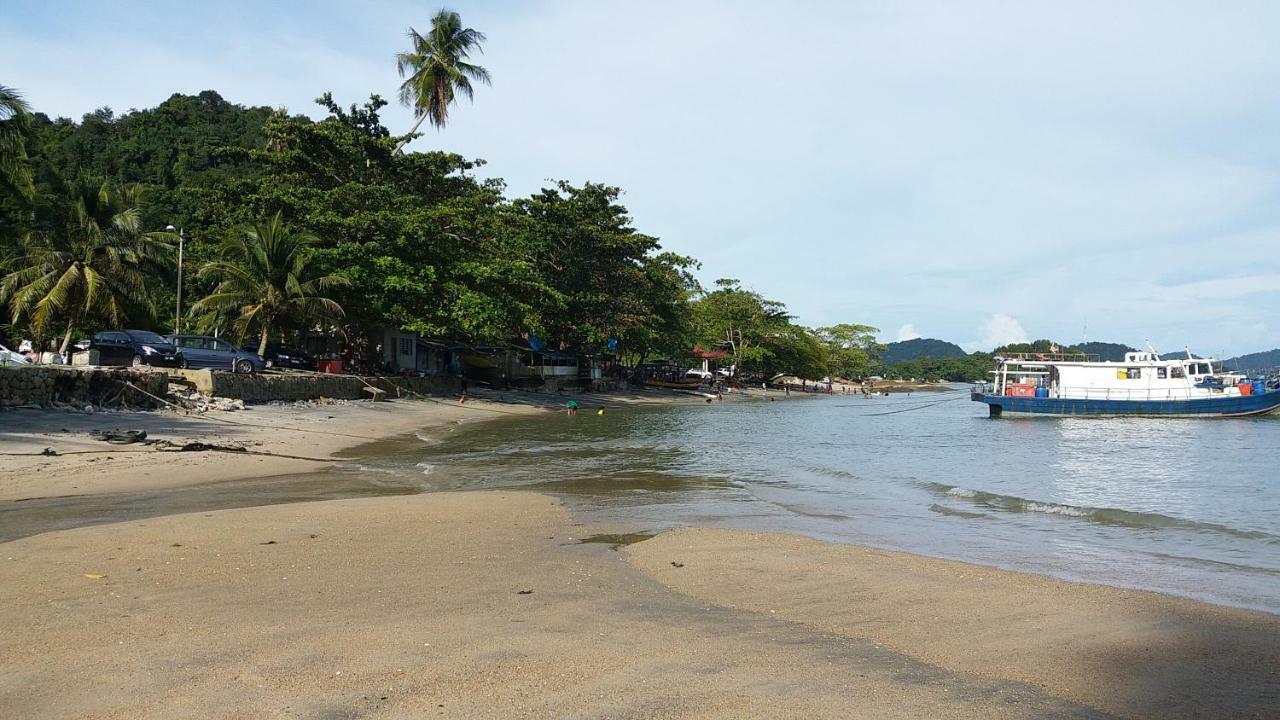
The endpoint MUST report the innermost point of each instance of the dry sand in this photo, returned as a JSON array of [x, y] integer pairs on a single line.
[[413, 606]]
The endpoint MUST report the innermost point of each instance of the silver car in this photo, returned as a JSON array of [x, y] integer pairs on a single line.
[[202, 351]]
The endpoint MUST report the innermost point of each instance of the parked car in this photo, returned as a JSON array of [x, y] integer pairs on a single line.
[[134, 347], [9, 357], [283, 356], [202, 351]]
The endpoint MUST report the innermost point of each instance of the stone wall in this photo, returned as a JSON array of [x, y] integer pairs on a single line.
[[265, 387], [45, 385]]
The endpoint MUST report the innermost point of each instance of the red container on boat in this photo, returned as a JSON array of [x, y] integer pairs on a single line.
[[333, 367], [1245, 388], [1020, 390]]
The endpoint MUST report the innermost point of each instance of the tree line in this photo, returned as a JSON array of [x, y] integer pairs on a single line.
[[291, 224]]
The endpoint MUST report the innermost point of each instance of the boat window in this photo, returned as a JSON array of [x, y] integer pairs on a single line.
[[1177, 372], [1162, 373], [1133, 373]]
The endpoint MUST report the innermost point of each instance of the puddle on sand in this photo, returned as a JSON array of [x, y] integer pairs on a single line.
[[616, 540]]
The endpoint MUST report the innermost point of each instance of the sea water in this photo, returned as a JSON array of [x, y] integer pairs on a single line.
[[1188, 507]]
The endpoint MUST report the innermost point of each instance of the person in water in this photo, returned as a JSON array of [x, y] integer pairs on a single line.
[[573, 407]]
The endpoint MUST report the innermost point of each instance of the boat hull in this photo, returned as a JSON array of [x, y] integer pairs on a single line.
[[1233, 406]]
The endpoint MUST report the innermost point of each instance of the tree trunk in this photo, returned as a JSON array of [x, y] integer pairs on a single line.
[[262, 344], [66, 338], [400, 145]]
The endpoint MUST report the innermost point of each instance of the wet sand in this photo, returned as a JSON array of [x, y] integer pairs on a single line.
[[488, 604]]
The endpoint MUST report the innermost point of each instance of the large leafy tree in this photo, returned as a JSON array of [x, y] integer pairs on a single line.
[[90, 257], [601, 277], [851, 349], [436, 70], [422, 241], [266, 278], [742, 321], [15, 127]]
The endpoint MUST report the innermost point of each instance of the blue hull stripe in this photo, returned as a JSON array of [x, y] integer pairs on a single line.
[[1209, 407]]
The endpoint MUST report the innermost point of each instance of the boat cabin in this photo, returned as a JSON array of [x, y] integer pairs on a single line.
[[1142, 376]]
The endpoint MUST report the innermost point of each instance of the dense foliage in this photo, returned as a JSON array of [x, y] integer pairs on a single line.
[[289, 224], [419, 241]]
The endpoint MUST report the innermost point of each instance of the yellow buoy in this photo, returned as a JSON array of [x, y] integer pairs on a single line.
[[600, 411]]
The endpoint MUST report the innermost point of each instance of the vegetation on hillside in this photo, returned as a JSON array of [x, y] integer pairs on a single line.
[[896, 352]]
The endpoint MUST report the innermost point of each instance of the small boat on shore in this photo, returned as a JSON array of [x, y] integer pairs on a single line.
[[1144, 384]]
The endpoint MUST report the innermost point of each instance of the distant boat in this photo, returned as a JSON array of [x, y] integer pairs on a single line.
[[1144, 384]]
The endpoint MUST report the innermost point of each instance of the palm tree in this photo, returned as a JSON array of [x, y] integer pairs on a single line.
[[437, 68], [94, 258], [15, 123], [266, 275]]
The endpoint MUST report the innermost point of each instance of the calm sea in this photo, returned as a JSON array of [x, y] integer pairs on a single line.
[[1188, 507]]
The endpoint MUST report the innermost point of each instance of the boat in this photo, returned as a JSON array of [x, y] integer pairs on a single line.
[[1144, 384]]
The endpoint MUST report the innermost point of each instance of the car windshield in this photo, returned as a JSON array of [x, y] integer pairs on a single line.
[[150, 338]]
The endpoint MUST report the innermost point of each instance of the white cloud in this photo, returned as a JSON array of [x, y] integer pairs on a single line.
[[999, 329], [907, 332]]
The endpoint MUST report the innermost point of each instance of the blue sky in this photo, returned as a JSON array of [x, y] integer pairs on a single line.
[[980, 172]]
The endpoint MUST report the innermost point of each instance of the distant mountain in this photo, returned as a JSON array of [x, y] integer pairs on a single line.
[[1269, 360], [1107, 352], [896, 352], [1113, 352]]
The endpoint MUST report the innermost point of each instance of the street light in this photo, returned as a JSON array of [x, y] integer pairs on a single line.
[[177, 315]]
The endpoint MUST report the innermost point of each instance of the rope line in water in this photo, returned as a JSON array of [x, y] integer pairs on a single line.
[[901, 410]]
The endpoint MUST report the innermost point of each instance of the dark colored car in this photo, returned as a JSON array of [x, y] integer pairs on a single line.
[[283, 356], [202, 351], [134, 347]]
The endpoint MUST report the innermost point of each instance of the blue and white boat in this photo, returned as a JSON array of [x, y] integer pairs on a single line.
[[1144, 384]]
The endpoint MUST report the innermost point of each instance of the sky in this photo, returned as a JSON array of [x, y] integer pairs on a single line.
[[980, 172]]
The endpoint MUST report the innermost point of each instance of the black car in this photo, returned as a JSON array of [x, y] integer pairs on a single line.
[[134, 347], [283, 356]]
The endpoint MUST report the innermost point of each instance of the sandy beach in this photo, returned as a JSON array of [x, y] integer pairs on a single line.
[[488, 604]]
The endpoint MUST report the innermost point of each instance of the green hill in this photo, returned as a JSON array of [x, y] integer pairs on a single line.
[[896, 352], [1112, 352], [1255, 362]]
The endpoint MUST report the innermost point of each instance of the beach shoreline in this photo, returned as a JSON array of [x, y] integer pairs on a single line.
[[488, 604]]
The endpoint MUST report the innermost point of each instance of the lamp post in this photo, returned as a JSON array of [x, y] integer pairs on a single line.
[[177, 314]]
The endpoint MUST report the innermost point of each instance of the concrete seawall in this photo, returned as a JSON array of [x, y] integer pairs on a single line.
[[46, 385], [307, 386]]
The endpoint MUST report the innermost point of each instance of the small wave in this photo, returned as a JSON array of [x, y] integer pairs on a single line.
[[810, 513], [427, 439], [371, 469], [427, 468], [942, 510], [1101, 515], [832, 472]]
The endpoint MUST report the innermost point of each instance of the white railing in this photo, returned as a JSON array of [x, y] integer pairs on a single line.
[[1142, 394]]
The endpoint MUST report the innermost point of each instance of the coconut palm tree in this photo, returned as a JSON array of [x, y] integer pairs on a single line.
[[437, 68], [15, 123], [92, 258], [267, 275]]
